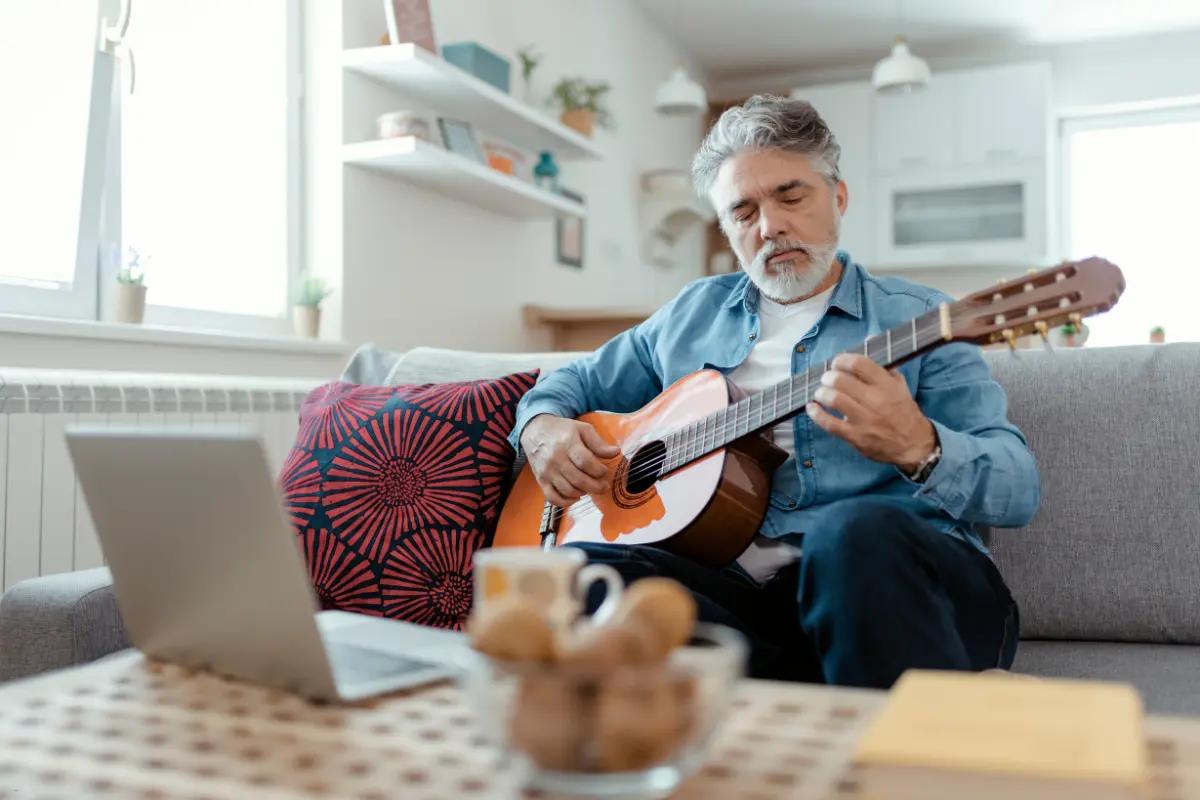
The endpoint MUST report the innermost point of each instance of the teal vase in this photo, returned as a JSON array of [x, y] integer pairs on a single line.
[[545, 173]]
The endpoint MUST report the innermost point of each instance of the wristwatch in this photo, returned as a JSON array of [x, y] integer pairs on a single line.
[[921, 473]]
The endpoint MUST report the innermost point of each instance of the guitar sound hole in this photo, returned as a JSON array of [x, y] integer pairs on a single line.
[[645, 467]]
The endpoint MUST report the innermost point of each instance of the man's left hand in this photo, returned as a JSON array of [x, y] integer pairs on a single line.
[[879, 417]]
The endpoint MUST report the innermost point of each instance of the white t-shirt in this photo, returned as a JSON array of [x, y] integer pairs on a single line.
[[769, 362]]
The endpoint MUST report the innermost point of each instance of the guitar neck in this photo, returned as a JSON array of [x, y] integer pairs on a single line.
[[787, 398]]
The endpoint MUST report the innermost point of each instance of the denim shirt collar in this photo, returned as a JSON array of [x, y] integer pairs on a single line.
[[847, 296]]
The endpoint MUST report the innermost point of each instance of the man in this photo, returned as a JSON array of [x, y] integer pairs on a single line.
[[868, 562]]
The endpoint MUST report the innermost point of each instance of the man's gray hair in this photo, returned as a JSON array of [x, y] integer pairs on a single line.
[[766, 122]]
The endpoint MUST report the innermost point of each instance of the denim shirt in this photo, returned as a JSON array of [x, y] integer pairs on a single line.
[[986, 475]]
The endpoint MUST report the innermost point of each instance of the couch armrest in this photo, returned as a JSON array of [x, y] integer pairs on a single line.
[[58, 621]]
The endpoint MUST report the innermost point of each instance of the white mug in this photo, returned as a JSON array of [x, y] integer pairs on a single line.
[[556, 581]]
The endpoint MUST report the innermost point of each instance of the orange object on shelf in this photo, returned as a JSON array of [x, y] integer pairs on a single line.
[[503, 159]]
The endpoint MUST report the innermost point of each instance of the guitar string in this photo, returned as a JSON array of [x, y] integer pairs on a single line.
[[652, 466], [725, 427]]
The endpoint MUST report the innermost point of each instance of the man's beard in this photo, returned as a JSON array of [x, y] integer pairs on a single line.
[[791, 281]]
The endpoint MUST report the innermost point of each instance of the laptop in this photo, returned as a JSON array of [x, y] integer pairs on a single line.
[[207, 572]]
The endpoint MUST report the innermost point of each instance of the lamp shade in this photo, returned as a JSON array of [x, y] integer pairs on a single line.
[[900, 72], [680, 95]]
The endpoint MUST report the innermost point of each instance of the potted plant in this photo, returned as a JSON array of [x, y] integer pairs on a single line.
[[131, 289], [582, 104], [306, 316], [529, 62], [1158, 335]]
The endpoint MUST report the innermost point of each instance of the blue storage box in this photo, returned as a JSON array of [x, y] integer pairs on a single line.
[[480, 62]]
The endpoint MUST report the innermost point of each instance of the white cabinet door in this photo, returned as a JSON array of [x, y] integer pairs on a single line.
[[1002, 114], [988, 215], [846, 109], [916, 131]]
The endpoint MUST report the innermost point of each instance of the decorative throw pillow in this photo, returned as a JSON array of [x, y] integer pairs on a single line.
[[392, 489]]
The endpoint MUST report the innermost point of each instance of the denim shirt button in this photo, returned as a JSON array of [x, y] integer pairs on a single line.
[[753, 336], [799, 348], [808, 464]]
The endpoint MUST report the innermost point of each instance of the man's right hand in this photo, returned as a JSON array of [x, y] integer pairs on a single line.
[[564, 455]]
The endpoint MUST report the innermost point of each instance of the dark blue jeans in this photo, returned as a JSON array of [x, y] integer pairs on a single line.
[[881, 593]]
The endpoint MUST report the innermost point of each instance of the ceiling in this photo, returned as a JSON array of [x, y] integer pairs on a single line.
[[737, 38]]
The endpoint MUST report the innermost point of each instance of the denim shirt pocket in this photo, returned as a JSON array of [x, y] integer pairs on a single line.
[[781, 500]]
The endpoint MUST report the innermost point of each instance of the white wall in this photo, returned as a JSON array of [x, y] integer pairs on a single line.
[[421, 269]]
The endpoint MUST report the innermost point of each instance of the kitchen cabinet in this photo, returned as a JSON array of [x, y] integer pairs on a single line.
[[962, 170], [1002, 114], [916, 131]]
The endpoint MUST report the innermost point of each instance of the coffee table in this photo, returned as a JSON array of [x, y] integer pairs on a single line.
[[129, 727]]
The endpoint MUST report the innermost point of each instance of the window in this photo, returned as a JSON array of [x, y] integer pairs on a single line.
[[50, 224], [200, 161], [1129, 190]]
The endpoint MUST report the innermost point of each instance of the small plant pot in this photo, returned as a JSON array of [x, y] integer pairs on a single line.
[[579, 119], [131, 303], [307, 321]]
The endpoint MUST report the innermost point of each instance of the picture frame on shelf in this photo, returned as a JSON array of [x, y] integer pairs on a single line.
[[410, 21], [569, 234], [459, 137]]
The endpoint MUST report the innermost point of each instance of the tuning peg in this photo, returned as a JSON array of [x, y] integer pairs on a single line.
[[1076, 319], [1031, 271], [1010, 336], [1044, 331], [1001, 282]]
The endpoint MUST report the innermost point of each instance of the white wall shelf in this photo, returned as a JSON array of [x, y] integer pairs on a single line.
[[453, 92], [411, 159]]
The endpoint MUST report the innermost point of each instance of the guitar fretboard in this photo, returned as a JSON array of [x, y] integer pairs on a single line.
[[788, 397]]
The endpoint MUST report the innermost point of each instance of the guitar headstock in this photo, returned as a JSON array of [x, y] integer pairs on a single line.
[[1036, 302]]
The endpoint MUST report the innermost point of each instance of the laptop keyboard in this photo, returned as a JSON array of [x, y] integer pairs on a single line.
[[352, 664]]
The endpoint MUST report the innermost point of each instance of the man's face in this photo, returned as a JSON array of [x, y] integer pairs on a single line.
[[782, 218]]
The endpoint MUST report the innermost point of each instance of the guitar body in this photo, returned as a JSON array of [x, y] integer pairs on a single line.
[[708, 510]]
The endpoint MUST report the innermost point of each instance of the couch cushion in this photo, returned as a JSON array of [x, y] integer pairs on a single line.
[[370, 365], [435, 364], [1166, 675], [392, 489], [1113, 552]]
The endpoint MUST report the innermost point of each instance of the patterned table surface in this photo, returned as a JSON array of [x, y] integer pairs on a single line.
[[127, 727]]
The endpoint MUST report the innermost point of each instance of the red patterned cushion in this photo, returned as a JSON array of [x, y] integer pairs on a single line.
[[392, 489]]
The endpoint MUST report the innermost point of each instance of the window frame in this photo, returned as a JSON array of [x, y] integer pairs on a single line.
[[80, 301], [93, 290]]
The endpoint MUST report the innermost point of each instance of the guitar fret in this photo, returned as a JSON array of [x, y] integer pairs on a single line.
[[914, 335], [889, 345]]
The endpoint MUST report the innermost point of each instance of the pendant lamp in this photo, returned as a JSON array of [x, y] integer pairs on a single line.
[[901, 71], [679, 95]]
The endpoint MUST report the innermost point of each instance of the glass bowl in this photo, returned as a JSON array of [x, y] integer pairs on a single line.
[[635, 732]]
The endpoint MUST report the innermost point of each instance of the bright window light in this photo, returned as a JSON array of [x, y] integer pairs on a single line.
[[1131, 198]]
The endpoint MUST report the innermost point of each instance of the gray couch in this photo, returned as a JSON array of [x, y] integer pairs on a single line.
[[1107, 576]]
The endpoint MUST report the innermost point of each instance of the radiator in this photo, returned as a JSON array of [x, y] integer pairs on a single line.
[[45, 527]]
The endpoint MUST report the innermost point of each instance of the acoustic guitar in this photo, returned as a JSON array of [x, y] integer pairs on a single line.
[[695, 466]]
